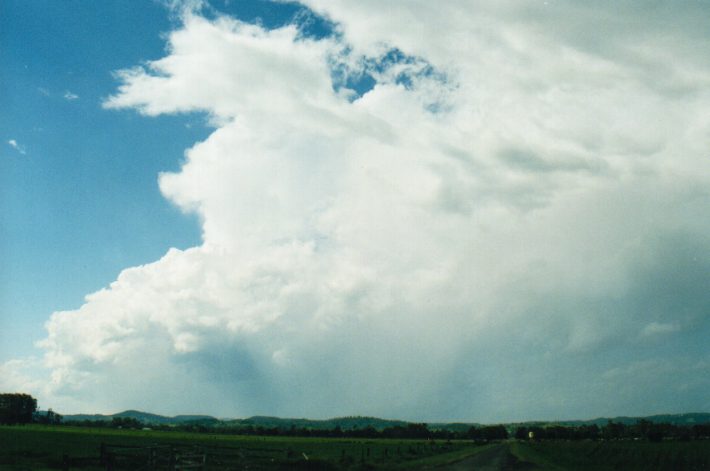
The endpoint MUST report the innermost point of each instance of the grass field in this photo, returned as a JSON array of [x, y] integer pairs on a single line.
[[35, 447], [614, 455], [40, 448]]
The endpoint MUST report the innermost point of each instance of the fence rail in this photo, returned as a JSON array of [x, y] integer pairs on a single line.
[[153, 457], [187, 457]]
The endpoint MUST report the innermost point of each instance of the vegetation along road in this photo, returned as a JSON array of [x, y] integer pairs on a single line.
[[587, 456]]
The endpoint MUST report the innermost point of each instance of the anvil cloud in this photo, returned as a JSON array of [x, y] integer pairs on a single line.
[[511, 224]]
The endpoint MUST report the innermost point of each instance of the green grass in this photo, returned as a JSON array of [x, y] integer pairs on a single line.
[[40, 448], [438, 460], [626, 455], [36, 447]]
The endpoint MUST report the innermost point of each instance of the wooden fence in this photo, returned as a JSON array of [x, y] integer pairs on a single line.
[[141, 458]]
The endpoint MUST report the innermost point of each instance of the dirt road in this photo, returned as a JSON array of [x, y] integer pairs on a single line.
[[497, 458]]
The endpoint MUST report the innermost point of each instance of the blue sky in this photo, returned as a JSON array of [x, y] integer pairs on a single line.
[[328, 207], [81, 201], [77, 163]]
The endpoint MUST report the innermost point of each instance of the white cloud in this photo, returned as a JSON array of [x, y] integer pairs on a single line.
[[18, 147], [490, 235]]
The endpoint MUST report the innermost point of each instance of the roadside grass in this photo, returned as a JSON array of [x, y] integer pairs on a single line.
[[444, 459], [626, 454], [525, 452]]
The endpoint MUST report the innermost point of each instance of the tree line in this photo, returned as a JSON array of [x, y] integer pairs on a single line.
[[18, 409], [22, 409], [409, 431], [641, 430]]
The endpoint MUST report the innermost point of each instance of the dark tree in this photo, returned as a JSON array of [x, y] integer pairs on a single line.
[[126, 422], [613, 430], [49, 418], [488, 432], [521, 433], [495, 432], [17, 408]]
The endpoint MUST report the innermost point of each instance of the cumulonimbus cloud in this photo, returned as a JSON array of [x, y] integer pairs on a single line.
[[509, 218]]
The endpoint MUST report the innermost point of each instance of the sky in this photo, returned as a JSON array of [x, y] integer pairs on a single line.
[[480, 211]]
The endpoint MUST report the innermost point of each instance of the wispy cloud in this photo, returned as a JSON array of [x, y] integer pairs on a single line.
[[18, 147]]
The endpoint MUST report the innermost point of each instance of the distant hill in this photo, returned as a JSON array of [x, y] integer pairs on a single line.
[[675, 419], [345, 423], [356, 422], [453, 426], [143, 417]]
